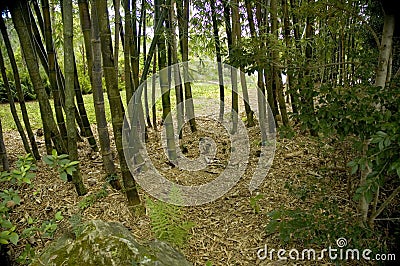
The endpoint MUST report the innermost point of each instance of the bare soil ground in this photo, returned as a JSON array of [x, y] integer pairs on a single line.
[[228, 231]]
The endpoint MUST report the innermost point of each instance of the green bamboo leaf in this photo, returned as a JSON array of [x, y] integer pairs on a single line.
[[48, 160], [354, 169], [70, 170], [58, 216], [14, 238], [63, 176]]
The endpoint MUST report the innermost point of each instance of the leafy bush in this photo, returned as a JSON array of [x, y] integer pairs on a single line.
[[64, 166], [18, 178], [26, 86], [320, 223], [369, 116]]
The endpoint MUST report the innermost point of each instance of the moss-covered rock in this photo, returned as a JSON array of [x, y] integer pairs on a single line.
[[108, 243]]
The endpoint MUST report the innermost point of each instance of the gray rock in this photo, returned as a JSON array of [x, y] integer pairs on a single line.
[[108, 243]]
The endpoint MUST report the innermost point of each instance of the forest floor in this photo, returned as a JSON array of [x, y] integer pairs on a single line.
[[227, 231]]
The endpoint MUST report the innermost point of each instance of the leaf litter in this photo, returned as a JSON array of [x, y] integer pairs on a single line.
[[227, 231]]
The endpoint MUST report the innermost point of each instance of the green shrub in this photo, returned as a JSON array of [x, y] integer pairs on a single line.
[[26, 86], [64, 166], [11, 182], [321, 220]]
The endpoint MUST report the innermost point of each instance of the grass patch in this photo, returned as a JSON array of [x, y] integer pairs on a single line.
[[34, 112], [198, 90]]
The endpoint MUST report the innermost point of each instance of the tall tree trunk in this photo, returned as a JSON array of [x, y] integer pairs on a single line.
[[165, 90], [49, 124], [261, 15], [295, 76], [116, 4], [152, 50], [237, 33], [262, 110], [382, 72], [18, 88], [289, 74], [80, 112], [12, 105], [40, 50], [234, 43], [39, 17], [86, 31], [98, 101], [275, 70], [86, 130], [114, 98], [146, 100], [176, 70], [127, 48], [134, 49], [153, 92], [183, 25], [385, 51], [219, 61], [3, 152], [307, 92], [69, 95], [51, 57]]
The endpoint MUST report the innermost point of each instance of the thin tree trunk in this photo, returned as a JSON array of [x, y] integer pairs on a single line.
[[165, 90], [183, 24], [3, 152], [146, 100], [289, 75], [114, 98], [12, 105], [80, 112], [134, 50], [18, 88], [98, 101], [86, 130], [40, 50], [219, 61], [51, 56], [275, 70], [86, 30], [307, 92], [177, 74], [39, 53], [237, 33], [153, 92], [152, 50], [261, 15], [127, 48], [385, 51], [69, 95], [116, 34], [130, 86], [381, 77], [49, 124], [78, 117], [262, 111], [39, 17], [234, 40]]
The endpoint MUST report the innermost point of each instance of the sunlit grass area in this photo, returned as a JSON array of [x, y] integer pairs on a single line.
[[34, 112], [206, 91]]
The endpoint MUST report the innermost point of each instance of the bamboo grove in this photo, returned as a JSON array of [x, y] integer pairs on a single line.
[[317, 46]]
